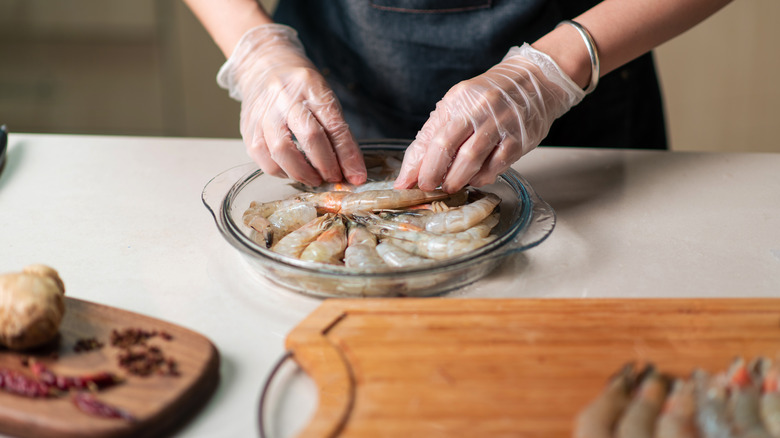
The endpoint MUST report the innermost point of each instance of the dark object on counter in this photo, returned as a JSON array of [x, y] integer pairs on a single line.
[[3, 144]]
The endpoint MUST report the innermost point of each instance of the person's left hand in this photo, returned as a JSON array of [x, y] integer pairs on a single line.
[[484, 124]]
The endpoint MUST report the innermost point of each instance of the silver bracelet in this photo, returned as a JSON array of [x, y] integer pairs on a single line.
[[592, 51]]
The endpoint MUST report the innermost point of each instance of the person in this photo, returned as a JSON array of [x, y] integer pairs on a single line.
[[460, 76]]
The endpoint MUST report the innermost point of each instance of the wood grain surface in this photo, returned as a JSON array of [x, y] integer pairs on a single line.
[[159, 403], [443, 367]]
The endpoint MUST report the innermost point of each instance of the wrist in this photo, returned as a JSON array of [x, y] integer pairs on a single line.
[[566, 47]]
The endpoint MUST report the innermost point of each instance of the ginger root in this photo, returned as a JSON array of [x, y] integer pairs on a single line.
[[32, 304]]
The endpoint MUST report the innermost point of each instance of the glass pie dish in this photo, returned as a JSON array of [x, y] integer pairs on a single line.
[[525, 221]]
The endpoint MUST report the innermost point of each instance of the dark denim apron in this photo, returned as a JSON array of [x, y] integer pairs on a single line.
[[390, 61]]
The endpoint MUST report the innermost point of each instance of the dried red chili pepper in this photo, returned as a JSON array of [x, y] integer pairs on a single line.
[[93, 381], [89, 404], [24, 385]]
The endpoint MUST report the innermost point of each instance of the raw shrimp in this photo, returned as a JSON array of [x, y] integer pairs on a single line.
[[743, 403], [677, 416], [399, 215], [294, 243], [329, 246], [464, 217], [480, 230], [349, 202], [638, 421], [256, 216], [769, 405], [419, 215], [599, 417], [387, 199], [398, 257], [429, 245], [711, 415], [361, 252], [434, 246], [286, 220]]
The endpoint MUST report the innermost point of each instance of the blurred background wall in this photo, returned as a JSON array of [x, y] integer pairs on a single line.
[[147, 67]]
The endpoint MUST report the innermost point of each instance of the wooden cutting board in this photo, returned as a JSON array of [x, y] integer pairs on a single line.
[[159, 403], [443, 367]]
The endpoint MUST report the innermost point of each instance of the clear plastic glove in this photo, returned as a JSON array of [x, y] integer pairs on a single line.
[[484, 124], [283, 95]]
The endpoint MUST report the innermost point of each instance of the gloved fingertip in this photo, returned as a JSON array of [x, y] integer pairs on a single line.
[[403, 183], [357, 178], [333, 178], [450, 188], [426, 186], [313, 182]]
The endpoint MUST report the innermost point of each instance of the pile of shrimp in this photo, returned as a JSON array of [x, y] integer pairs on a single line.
[[743, 401], [373, 226]]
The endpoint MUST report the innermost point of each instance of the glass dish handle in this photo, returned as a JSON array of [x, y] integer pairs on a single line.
[[215, 190], [542, 224]]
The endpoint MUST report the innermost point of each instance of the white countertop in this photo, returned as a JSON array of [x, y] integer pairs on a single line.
[[122, 221]]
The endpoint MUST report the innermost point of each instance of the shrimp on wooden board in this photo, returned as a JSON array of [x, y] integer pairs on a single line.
[[638, 420], [361, 252], [464, 217], [397, 257], [743, 403], [676, 419], [294, 243], [711, 401], [599, 417], [769, 405], [329, 246]]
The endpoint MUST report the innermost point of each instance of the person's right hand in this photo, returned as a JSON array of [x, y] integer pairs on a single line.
[[283, 95]]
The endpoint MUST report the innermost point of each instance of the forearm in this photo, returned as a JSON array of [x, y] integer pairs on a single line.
[[622, 31], [228, 20]]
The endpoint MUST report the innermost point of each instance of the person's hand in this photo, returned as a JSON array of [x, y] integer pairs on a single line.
[[283, 95], [484, 124]]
